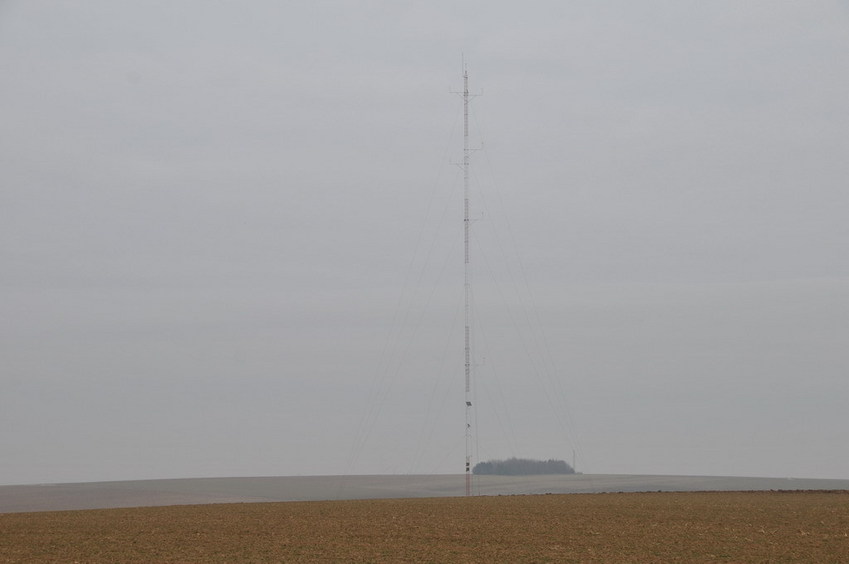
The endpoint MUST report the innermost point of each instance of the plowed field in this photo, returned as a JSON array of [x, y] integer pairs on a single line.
[[632, 527]]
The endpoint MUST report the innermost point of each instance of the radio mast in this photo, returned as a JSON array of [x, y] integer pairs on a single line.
[[467, 282]]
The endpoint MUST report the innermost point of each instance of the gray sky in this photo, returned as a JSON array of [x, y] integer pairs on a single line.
[[231, 237]]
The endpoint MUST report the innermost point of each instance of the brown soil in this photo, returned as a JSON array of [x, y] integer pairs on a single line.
[[628, 527]]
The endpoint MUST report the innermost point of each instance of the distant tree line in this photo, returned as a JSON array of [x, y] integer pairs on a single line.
[[522, 467]]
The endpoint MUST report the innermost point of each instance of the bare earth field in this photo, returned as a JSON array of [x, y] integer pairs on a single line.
[[622, 527]]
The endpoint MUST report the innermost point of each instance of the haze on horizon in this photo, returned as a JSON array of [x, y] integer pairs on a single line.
[[218, 217]]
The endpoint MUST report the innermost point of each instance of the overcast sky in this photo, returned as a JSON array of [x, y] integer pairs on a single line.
[[231, 237]]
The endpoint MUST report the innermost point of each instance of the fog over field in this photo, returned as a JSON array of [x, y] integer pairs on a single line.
[[231, 237], [198, 491]]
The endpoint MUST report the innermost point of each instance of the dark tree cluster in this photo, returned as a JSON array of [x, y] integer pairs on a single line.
[[522, 467]]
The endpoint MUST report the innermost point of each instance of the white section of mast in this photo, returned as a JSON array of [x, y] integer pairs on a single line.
[[467, 283]]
